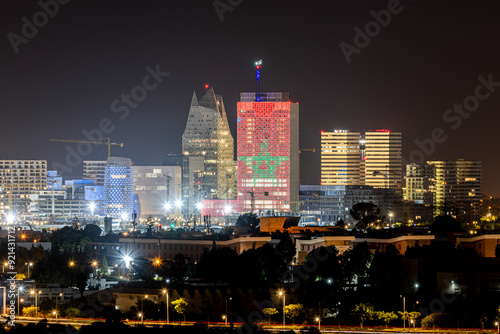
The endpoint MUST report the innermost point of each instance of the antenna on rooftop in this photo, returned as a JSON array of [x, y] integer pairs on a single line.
[[257, 79]]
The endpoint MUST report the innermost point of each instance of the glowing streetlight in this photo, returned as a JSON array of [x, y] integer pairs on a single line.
[[225, 319], [10, 218], [127, 259], [498, 326], [3, 267], [228, 208], [142, 318], [19, 289], [92, 207], [318, 320], [71, 263], [282, 293], [165, 292], [199, 206], [33, 292], [29, 265], [124, 216], [178, 203]]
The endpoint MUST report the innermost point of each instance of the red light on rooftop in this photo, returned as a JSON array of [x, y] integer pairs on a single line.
[[383, 130], [258, 67], [322, 131], [206, 86]]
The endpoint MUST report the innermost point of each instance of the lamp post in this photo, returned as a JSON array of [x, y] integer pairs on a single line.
[[282, 293], [3, 267], [55, 313], [165, 291], [19, 289], [404, 312], [225, 319], [29, 265], [498, 326], [33, 292], [412, 322], [318, 320], [142, 318], [142, 304]]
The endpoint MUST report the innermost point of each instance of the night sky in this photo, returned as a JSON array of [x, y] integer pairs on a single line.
[[64, 78]]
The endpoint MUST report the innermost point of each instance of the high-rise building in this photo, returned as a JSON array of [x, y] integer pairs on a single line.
[[383, 159], [457, 188], [341, 158], [19, 179], [418, 187], [268, 152], [118, 188], [207, 135], [95, 170]]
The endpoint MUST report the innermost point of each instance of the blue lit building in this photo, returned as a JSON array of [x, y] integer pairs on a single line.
[[118, 188]]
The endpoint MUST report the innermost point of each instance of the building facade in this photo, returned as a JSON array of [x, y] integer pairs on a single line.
[[457, 187], [95, 170], [118, 188], [383, 159], [207, 135], [18, 180], [341, 158], [268, 153]]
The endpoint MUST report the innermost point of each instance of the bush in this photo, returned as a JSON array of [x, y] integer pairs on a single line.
[[30, 311], [434, 320]]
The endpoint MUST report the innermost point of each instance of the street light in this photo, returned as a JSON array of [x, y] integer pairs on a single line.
[[165, 291], [225, 319], [29, 265], [498, 326], [413, 323], [404, 312], [318, 320], [33, 292], [4, 265], [142, 318], [55, 313], [71, 264], [282, 293], [19, 289]]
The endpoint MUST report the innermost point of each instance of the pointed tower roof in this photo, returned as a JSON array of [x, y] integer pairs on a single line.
[[194, 100], [208, 100]]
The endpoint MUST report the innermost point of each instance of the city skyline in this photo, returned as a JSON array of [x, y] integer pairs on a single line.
[[408, 76]]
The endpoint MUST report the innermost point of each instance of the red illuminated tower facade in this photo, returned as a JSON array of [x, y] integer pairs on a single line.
[[268, 153]]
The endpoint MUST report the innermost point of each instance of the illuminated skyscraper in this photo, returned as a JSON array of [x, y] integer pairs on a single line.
[[118, 188], [340, 158], [457, 188], [207, 135], [383, 159], [268, 152]]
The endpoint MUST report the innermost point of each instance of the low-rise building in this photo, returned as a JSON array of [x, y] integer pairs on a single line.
[[401, 243], [485, 245]]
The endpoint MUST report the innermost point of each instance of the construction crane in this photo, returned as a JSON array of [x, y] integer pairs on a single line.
[[313, 150], [106, 141]]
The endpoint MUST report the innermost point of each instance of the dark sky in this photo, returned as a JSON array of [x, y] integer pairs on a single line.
[[64, 79]]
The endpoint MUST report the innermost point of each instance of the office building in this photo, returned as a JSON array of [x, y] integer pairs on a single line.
[[383, 159], [19, 179], [341, 158], [95, 170], [268, 152], [118, 188], [208, 137], [457, 188]]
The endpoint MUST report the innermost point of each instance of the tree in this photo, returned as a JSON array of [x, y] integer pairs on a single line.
[[30, 311], [444, 224], [363, 312], [409, 316], [433, 320], [181, 306], [249, 220], [365, 214], [340, 223], [93, 232], [71, 312], [286, 247], [104, 266], [293, 310], [483, 321], [386, 317], [270, 311]]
